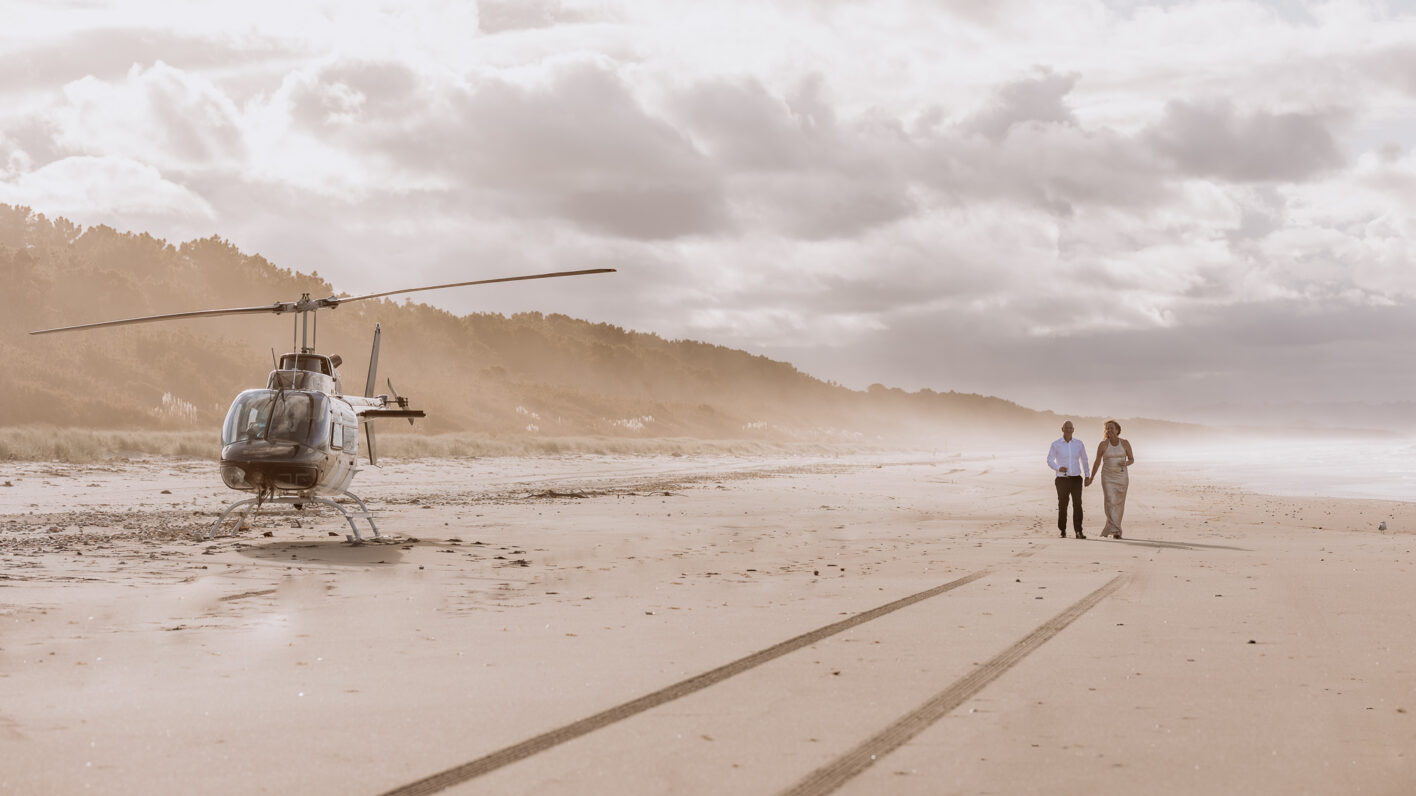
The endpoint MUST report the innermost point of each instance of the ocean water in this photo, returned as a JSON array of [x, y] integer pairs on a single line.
[[1320, 467]]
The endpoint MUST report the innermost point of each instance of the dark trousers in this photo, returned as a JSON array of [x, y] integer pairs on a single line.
[[1069, 487]]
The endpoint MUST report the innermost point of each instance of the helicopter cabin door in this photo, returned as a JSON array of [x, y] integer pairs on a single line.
[[343, 447]]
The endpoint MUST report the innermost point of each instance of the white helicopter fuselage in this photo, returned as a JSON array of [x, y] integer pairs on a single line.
[[299, 435]]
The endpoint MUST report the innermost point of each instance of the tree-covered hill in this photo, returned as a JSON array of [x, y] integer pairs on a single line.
[[525, 374]]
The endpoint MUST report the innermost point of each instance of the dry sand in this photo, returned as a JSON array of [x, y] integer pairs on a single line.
[[1231, 643]]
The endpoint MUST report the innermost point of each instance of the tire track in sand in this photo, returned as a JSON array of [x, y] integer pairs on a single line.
[[540, 743], [836, 773]]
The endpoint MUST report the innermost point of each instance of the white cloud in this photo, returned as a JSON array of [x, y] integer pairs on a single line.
[[117, 188], [160, 115]]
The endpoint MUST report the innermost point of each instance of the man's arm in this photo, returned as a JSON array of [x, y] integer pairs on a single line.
[[1100, 451], [1052, 457], [1086, 468]]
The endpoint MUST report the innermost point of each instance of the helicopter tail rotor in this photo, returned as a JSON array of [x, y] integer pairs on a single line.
[[398, 399]]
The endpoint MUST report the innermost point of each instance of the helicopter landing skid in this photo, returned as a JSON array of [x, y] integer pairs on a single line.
[[297, 501]]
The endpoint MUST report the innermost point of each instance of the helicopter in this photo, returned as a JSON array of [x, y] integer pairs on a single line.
[[296, 441]]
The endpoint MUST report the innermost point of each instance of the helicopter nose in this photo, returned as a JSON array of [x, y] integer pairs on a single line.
[[258, 465], [253, 476]]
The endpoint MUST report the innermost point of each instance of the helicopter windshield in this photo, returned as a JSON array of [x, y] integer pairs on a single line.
[[277, 416]]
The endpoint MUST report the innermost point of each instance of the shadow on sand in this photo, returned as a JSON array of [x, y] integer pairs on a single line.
[[331, 553]]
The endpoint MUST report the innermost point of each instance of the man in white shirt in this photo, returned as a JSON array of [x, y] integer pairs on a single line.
[[1068, 460]]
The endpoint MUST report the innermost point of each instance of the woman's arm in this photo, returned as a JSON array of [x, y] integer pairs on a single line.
[[1100, 449], [1130, 457]]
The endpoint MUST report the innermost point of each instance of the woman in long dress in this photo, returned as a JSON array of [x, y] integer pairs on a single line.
[[1113, 456]]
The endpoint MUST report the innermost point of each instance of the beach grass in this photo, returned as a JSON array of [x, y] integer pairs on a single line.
[[89, 446]]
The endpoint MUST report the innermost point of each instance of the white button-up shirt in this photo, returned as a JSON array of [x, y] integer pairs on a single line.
[[1072, 455]]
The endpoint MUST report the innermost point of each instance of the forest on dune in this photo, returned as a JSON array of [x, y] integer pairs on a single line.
[[524, 374]]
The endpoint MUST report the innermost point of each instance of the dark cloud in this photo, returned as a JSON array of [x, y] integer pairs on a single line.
[[792, 166], [827, 206], [1057, 168], [35, 136], [985, 13], [649, 213], [1395, 64], [1261, 213], [911, 280], [1035, 100], [1025, 145], [578, 145], [741, 126], [1219, 352], [810, 104], [500, 16], [1215, 139]]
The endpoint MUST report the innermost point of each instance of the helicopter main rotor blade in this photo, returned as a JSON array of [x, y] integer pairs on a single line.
[[306, 304], [275, 308], [336, 300]]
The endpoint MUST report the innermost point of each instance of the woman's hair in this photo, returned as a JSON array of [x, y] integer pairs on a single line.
[[1112, 423]]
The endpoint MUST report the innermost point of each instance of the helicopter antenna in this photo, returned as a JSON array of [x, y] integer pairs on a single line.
[[274, 365], [307, 304]]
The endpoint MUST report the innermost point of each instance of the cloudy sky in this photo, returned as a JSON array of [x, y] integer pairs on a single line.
[[1099, 206]]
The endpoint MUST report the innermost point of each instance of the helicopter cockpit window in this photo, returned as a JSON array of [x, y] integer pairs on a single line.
[[277, 416]]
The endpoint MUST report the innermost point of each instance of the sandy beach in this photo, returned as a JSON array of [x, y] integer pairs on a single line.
[[691, 624]]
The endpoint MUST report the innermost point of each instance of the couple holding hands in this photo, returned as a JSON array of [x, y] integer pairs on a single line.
[[1068, 460]]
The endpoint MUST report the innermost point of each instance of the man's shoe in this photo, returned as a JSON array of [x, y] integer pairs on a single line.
[[1064, 534], [1080, 535]]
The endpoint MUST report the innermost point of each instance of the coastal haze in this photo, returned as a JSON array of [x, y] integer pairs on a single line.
[[766, 510]]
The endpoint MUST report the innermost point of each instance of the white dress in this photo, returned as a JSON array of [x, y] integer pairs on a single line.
[[1114, 480]]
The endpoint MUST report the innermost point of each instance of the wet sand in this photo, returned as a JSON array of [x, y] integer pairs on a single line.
[[884, 624]]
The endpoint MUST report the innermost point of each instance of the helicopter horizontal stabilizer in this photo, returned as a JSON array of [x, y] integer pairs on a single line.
[[374, 414]]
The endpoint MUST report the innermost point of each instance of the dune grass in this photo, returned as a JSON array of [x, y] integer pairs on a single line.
[[84, 446], [411, 446], [88, 446]]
